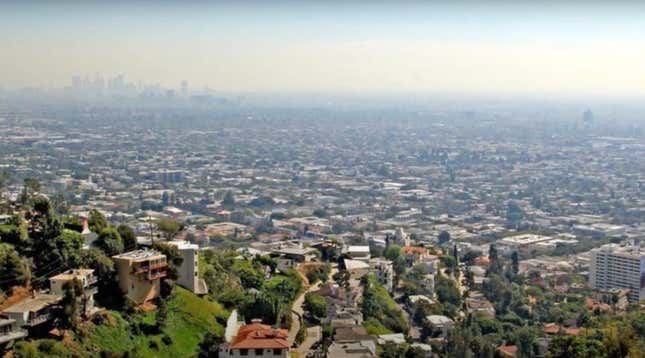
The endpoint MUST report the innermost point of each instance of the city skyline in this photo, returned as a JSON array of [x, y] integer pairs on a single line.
[[351, 47]]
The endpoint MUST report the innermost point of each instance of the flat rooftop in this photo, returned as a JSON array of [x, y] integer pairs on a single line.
[[71, 274], [357, 248], [295, 251], [139, 255], [438, 319], [183, 245], [631, 250], [525, 239], [33, 304]]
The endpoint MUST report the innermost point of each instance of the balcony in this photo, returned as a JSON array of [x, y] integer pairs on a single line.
[[12, 335], [146, 268], [158, 275], [41, 318], [91, 280]]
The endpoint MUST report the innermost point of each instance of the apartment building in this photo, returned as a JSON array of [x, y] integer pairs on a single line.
[[615, 266], [140, 273], [30, 314], [87, 281], [188, 272]]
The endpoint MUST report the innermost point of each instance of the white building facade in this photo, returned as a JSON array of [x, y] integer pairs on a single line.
[[615, 266], [188, 272]]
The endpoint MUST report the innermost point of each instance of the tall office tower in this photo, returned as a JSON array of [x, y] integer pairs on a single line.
[[587, 117], [184, 88], [616, 267], [77, 83]]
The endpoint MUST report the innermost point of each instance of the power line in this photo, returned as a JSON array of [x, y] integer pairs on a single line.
[[39, 275]]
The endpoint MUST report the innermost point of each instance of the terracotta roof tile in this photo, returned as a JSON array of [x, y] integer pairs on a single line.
[[257, 335]]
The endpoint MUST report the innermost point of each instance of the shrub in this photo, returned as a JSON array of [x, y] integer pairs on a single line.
[[166, 339]]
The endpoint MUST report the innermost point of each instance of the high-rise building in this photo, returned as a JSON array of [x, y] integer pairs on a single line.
[[617, 267], [184, 88], [77, 83], [587, 116]]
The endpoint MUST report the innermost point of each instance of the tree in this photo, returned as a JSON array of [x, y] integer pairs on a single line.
[[319, 273], [229, 199], [30, 187], [45, 224], [321, 213], [450, 262], [443, 237], [97, 221], [399, 265], [249, 275], [59, 203], [109, 241], [15, 231], [316, 305], [618, 338], [72, 292], [470, 278], [446, 290], [14, 269], [393, 252], [102, 265], [69, 245], [168, 227], [173, 257], [128, 237], [581, 346], [514, 214], [209, 346], [497, 290], [495, 264], [4, 179], [48, 243], [165, 198], [515, 263], [470, 256], [525, 339]]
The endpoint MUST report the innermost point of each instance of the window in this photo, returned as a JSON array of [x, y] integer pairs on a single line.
[[244, 352], [277, 351], [259, 351]]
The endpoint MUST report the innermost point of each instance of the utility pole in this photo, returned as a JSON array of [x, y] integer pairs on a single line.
[[152, 238]]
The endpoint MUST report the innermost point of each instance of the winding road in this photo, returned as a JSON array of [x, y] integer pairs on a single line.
[[313, 334]]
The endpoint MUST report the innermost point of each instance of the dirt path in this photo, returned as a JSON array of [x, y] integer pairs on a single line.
[[314, 335], [297, 310]]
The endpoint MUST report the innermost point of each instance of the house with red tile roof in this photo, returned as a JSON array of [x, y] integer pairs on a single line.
[[256, 340], [507, 351], [554, 328]]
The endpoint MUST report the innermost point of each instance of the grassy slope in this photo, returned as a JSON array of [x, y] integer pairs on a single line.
[[389, 315], [375, 327], [189, 319]]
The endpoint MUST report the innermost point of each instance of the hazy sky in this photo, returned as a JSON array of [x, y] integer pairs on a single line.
[[359, 46]]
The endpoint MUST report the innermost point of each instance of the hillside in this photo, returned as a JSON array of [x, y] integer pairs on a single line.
[[188, 319]]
